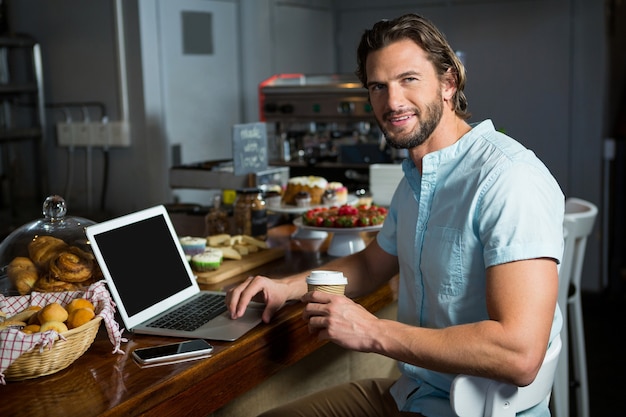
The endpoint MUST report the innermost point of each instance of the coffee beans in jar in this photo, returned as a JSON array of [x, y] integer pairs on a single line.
[[250, 213]]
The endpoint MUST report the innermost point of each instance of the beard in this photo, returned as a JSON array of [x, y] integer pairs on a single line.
[[428, 122]]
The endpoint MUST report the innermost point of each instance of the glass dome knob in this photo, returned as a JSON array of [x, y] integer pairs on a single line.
[[54, 207]]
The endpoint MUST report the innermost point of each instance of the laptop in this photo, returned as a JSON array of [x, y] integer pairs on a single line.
[[149, 277]]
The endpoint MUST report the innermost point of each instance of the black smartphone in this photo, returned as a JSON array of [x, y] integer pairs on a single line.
[[173, 351]]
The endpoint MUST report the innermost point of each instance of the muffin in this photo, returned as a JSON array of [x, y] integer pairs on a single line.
[[273, 199], [192, 245], [303, 199], [340, 191], [209, 260]]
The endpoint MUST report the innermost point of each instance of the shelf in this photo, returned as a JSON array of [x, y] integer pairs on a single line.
[[18, 88], [20, 134], [23, 119]]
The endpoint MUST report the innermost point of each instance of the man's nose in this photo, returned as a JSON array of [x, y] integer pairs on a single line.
[[395, 97]]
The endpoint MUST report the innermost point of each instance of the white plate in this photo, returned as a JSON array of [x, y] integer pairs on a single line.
[[289, 209], [337, 230]]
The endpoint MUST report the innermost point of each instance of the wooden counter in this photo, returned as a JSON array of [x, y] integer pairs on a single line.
[[100, 383]]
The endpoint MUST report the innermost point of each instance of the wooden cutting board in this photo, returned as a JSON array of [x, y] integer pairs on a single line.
[[231, 267]]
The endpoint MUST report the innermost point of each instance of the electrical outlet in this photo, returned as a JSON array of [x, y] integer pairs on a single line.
[[119, 133], [94, 134], [65, 134], [82, 133]]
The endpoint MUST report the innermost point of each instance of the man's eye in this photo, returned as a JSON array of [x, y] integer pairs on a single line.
[[376, 87]]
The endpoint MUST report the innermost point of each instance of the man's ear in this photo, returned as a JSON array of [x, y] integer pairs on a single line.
[[448, 85]]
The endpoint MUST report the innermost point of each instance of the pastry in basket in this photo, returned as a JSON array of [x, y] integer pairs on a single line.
[[52, 312], [72, 265], [43, 248], [22, 272], [47, 283], [79, 317], [57, 326]]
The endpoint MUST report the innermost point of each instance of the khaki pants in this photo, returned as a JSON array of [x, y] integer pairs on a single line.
[[365, 398]]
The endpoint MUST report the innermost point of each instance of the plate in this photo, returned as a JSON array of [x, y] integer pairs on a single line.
[[289, 209], [337, 230]]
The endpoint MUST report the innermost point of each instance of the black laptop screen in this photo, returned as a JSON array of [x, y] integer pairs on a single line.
[[144, 263]]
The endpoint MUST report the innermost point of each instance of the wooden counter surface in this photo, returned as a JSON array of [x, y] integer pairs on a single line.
[[100, 383]]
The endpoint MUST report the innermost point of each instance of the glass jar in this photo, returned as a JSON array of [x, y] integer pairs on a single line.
[[217, 218], [250, 213]]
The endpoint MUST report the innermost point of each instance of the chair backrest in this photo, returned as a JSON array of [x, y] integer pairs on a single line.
[[473, 396], [580, 216]]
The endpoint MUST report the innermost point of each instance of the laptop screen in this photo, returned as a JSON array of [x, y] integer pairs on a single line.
[[144, 263]]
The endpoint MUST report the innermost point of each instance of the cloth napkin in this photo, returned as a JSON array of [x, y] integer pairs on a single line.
[[14, 342]]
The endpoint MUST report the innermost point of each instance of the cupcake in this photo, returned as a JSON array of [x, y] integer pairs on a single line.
[[192, 245], [303, 199], [209, 260], [340, 191], [329, 198], [273, 199]]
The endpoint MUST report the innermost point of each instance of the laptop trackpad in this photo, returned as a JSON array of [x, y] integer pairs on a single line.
[[223, 327]]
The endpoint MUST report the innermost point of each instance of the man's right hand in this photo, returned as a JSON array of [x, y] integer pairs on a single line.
[[273, 293]]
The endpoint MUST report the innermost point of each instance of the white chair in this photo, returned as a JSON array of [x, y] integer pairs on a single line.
[[474, 396], [579, 219]]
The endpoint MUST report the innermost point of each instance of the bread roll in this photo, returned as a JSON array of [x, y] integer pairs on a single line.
[[77, 303], [52, 312], [31, 328], [79, 317], [57, 326]]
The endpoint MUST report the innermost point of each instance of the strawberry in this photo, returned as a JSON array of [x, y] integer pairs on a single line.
[[347, 210]]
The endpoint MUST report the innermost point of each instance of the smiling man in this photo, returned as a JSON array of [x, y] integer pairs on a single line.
[[474, 230]]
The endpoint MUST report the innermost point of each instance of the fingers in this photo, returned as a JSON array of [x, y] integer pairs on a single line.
[[317, 305], [258, 288], [323, 298], [238, 298]]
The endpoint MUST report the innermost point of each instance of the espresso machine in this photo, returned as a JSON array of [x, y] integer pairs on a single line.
[[322, 125]]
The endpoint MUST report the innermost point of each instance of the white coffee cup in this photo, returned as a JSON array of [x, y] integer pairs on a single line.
[[332, 282]]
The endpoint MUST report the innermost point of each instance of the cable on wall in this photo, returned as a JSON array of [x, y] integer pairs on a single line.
[[84, 109]]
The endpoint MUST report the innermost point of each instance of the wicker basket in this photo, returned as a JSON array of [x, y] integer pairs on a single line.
[[34, 363]]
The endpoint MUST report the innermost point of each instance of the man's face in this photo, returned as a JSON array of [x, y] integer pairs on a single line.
[[405, 93]]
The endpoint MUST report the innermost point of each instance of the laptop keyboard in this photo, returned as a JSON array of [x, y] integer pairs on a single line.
[[193, 314]]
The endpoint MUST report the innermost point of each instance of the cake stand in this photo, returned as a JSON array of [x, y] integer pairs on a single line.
[[306, 233], [345, 241]]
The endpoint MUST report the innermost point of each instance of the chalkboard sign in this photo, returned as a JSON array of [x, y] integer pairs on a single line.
[[249, 148]]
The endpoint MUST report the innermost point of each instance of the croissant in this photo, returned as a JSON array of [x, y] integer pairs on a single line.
[[23, 274], [43, 248], [72, 265]]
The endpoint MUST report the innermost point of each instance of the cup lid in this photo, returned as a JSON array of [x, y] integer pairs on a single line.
[[321, 277]]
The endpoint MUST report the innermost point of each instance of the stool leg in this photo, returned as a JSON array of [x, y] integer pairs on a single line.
[[579, 355], [560, 388]]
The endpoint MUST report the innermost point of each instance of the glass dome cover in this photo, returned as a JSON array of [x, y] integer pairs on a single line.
[[55, 223]]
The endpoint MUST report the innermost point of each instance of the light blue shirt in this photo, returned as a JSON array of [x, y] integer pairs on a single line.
[[483, 201]]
